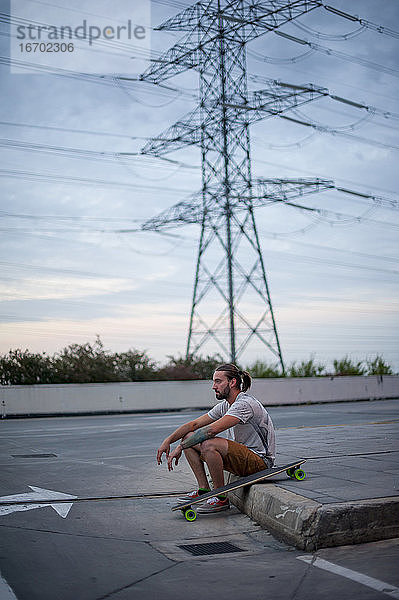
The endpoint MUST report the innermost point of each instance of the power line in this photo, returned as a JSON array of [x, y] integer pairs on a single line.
[[363, 22], [342, 37], [86, 154], [339, 218], [335, 263], [373, 110], [311, 173], [34, 267], [74, 218], [4, 17], [50, 178], [327, 51], [282, 253], [331, 217], [368, 118], [172, 3], [321, 76], [337, 132], [69, 130], [345, 251], [106, 80], [95, 155], [83, 12], [345, 131]]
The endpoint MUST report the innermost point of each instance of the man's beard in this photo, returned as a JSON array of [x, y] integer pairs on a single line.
[[223, 395]]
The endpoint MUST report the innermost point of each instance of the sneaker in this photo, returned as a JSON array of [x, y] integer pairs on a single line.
[[194, 495], [214, 505]]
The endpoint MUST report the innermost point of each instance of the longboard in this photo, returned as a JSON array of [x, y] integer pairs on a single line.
[[292, 470]]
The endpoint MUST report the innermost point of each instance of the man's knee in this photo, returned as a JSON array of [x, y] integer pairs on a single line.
[[211, 445]]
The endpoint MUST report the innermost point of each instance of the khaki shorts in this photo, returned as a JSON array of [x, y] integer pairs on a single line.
[[241, 461]]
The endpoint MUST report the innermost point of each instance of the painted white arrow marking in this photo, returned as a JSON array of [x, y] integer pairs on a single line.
[[37, 494]]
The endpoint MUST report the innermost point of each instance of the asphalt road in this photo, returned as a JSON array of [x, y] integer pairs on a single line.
[[128, 549]]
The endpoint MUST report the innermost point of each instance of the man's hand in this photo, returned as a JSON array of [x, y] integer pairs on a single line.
[[163, 448], [180, 433], [174, 455]]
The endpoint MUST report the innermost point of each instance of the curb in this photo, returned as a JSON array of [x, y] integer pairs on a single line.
[[309, 525]]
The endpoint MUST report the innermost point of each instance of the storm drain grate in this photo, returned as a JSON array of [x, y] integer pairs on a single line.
[[34, 455], [211, 548]]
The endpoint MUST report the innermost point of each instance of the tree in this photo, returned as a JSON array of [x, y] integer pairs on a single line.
[[21, 367], [134, 365], [84, 363], [192, 367]]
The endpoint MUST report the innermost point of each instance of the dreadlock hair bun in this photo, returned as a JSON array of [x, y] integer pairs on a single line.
[[243, 378]]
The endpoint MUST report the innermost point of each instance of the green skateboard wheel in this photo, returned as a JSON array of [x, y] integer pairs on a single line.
[[290, 472], [190, 514], [299, 474]]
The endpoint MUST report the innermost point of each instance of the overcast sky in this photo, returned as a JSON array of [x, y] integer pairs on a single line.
[[73, 264]]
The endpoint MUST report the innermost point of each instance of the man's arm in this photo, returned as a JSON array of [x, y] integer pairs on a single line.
[[180, 432], [200, 435], [210, 431]]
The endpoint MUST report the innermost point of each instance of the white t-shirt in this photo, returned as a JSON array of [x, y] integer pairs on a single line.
[[255, 429]]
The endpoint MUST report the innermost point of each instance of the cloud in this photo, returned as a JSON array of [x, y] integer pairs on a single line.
[[160, 330], [60, 288]]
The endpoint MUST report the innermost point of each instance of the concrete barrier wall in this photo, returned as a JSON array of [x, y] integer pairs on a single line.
[[303, 390], [23, 400]]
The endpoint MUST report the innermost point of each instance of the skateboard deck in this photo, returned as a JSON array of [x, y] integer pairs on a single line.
[[292, 470]]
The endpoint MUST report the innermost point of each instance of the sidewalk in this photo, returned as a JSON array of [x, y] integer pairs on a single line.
[[350, 494]]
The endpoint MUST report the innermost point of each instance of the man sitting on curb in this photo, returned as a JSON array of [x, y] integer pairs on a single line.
[[247, 445]]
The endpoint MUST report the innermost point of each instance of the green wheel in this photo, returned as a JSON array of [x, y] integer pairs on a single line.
[[299, 474], [190, 514], [290, 472]]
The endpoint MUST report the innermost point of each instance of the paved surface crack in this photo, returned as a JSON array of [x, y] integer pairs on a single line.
[[66, 533], [302, 579], [130, 585]]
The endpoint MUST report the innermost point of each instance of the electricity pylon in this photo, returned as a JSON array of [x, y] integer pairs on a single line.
[[231, 298]]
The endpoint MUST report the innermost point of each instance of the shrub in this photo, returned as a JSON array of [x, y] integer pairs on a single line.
[[261, 369], [346, 366], [306, 368], [378, 366]]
